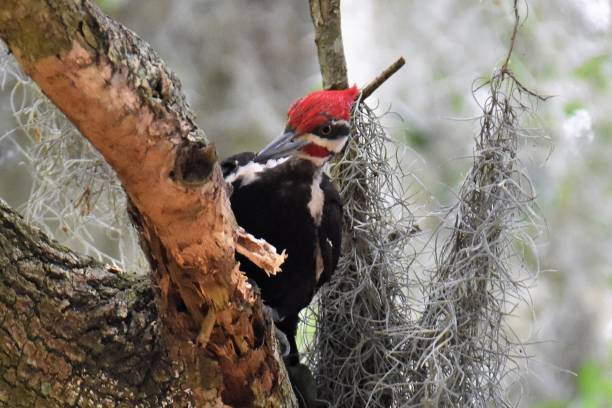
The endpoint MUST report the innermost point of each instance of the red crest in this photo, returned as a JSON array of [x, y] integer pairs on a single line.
[[316, 108]]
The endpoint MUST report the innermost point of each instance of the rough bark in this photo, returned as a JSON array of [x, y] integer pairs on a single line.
[[328, 38], [121, 97], [74, 332]]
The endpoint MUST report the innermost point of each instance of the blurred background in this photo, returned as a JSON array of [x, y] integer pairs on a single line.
[[242, 62]]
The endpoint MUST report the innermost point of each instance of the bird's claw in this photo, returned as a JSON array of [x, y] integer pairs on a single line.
[[285, 347], [254, 286], [272, 314], [304, 386]]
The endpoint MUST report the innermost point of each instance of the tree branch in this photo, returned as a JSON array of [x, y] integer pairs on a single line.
[[328, 37], [119, 94], [370, 88], [71, 327]]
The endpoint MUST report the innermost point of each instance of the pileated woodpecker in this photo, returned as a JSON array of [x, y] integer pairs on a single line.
[[282, 195]]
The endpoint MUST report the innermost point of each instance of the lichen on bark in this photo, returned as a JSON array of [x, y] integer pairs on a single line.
[[325, 16], [74, 332], [118, 93]]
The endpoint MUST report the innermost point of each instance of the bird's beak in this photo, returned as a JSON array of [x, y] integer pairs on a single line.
[[283, 146]]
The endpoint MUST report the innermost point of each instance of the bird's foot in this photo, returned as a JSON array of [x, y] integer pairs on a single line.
[[272, 314], [285, 347], [304, 386], [254, 286]]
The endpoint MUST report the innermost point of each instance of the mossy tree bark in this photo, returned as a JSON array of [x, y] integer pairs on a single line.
[[74, 333]]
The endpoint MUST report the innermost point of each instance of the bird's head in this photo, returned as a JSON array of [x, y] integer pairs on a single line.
[[318, 127]]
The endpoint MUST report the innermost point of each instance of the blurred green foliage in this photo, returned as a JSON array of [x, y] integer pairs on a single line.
[[109, 5], [604, 130], [597, 70], [416, 139], [307, 331], [594, 388], [572, 106]]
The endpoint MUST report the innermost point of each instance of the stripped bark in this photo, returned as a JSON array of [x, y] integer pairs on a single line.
[[259, 252], [119, 94]]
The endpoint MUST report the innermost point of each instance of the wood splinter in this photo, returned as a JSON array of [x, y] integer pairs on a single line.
[[206, 327], [259, 252]]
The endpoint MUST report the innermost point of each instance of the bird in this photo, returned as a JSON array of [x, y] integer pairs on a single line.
[[282, 194]]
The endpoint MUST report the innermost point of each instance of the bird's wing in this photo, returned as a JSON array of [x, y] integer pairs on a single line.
[[330, 230], [231, 164]]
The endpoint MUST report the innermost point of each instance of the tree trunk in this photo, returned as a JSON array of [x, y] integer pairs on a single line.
[[75, 333]]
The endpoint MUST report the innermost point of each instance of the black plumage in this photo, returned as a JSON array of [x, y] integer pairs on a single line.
[[282, 195], [272, 202]]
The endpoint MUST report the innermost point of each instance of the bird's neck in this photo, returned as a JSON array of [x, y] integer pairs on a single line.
[[306, 167], [315, 161]]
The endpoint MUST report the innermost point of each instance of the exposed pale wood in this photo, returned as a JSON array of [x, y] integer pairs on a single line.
[[259, 252], [121, 97]]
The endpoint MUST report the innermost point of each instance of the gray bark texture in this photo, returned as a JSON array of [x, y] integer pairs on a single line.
[[325, 16], [74, 332]]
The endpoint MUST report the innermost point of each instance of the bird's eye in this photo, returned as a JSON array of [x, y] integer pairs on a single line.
[[326, 130]]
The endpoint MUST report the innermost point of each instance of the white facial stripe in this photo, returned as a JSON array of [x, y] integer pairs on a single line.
[[341, 122], [317, 199], [333, 145], [250, 171]]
